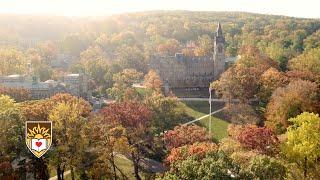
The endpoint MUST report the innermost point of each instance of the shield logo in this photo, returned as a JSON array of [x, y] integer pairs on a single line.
[[38, 137]]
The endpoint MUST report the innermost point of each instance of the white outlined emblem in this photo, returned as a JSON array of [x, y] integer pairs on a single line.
[[38, 137]]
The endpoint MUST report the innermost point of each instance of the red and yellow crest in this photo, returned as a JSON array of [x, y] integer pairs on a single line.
[[38, 137]]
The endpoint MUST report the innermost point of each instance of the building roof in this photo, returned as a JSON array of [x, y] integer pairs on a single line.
[[219, 30], [232, 59], [73, 75], [14, 76]]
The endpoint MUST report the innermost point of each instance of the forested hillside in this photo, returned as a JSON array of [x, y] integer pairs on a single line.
[[128, 40]]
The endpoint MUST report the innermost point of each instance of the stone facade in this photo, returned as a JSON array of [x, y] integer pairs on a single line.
[[180, 71], [75, 84]]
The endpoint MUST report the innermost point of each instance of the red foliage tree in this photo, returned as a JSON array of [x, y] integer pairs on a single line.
[[184, 135], [18, 94], [261, 139], [135, 118]]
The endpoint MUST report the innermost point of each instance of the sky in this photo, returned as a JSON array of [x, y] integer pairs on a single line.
[[295, 8]]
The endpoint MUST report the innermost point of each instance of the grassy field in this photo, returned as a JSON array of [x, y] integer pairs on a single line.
[[197, 109]]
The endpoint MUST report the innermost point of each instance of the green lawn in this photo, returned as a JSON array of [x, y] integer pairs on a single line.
[[197, 109]]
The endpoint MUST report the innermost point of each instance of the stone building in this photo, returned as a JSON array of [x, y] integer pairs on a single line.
[[182, 72], [75, 84]]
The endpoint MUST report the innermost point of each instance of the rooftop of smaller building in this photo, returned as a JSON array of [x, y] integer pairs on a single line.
[[14, 76], [73, 75]]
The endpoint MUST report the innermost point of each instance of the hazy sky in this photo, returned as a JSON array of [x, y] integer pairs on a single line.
[[297, 8]]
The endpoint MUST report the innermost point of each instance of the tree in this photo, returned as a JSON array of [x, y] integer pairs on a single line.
[[131, 57], [69, 141], [307, 61], [122, 88], [241, 81], [84, 108], [197, 149], [12, 146], [135, 118], [261, 139], [294, 75], [302, 145], [271, 80], [184, 135], [48, 51], [205, 46], [238, 82], [265, 167], [215, 165], [170, 47], [18, 94], [242, 113], [167, 113], [12, 62], [106, 141], [298, 96], [11, 130], [37, 110], [153, 81]]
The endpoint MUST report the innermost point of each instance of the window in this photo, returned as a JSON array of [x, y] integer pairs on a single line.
[[220, 49]]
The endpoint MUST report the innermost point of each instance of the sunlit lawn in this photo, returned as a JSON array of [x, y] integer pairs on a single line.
[[197, 109]]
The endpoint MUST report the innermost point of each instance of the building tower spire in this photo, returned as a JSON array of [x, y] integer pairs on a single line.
[[219, 31], [219, 52]]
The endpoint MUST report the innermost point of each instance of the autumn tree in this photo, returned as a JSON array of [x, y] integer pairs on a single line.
[[197, 149], [294, 75], [205, 46], [131, 57], [122, 88], [37, 110], [105, 142], [302, 145], [184, 135], [307, 61], [48, 51], [18, 94], [167, 113], [84, 108], [11, 137], [135, 118], [153, 81], [69, 141], [261, 139], [215, 165], [238, 82], [265, 167], [241, 81], [270, 80], [170, 47], [12, 62], [286, 102], [242, 113]]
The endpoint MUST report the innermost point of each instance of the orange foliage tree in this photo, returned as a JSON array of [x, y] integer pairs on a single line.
[[197, 149], [184, 135], [153, 81], [135, 118], [287, 102]]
